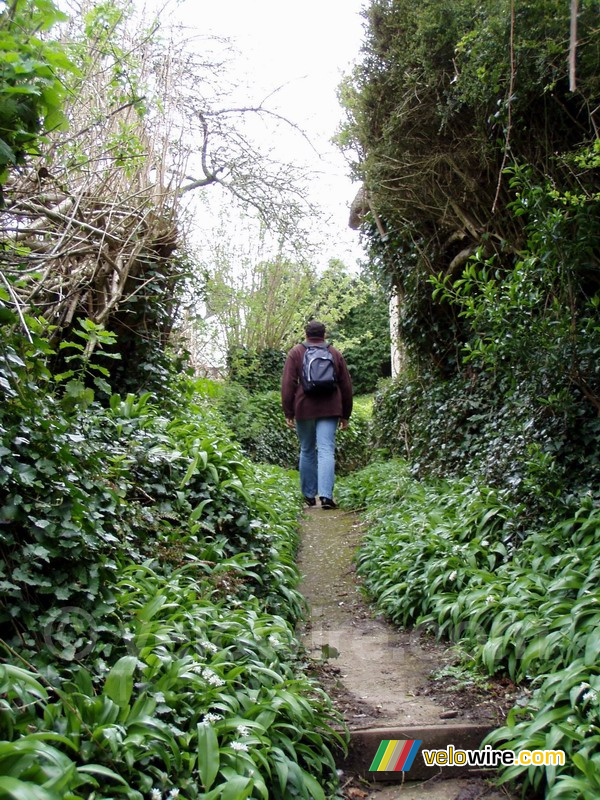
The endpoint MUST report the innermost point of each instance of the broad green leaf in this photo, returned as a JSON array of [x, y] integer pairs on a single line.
[[208, 754], [592, 648], [237, 788], [191, 470], [119, 681], [151, 608], [313, 786], [7, 155], [12, 674], [19, 790], [196, 513], [105, 772]]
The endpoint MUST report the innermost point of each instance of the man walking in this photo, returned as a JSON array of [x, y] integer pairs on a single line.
[[315, 403]]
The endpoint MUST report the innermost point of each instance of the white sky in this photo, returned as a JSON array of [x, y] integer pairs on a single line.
[[307, 46]]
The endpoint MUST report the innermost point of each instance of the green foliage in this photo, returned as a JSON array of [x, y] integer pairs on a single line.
[[522, 411], [539, 315], [544, 454], [206, 694], [363, 334], [444, 555], [437, 102], [257, 371], [360, 328], [31, 89], [259, 309], [148, 574], [486, 181], [258, 424], [562, 713], [353, 446]]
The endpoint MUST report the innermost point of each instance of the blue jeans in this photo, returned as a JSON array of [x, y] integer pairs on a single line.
[[317, 455]]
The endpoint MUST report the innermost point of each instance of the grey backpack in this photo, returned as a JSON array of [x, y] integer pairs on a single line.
[[318, 369]]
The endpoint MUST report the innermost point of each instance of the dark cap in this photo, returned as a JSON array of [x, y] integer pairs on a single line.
[[314, 330]]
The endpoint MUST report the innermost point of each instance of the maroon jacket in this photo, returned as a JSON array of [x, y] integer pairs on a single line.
[[297, 405]]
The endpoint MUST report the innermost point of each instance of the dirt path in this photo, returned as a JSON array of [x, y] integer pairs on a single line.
[[378, 675]]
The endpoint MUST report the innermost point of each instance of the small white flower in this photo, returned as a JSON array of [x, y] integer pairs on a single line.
[[490, 599], [590, 695], [452, 576], [212, 648], [274, 641], [210, 717], [243, 730], [159, 697], [174, 793], [485, 543], [210, 677], [240, 747], [155, 794]]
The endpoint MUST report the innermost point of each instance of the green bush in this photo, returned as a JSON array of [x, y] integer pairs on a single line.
[[364, 333], [258, 424], [31, 89], [258, 371], [491, 238], [353, 446], [206, 697], [544, 454]]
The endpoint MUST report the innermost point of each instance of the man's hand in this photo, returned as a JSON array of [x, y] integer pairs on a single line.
[[290, 422], [343, 424]]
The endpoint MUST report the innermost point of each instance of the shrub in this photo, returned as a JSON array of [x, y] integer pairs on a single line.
[[258, 424], [258, 371], [542, 454], [352, 446], [206, 697]]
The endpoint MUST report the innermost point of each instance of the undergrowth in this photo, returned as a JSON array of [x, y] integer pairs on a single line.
[[444, 555], [148, 596], [258, 424]]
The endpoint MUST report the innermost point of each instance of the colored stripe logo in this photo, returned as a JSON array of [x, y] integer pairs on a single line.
[[395, 755]]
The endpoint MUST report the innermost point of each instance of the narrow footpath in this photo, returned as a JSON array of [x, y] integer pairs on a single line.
[[380, 677]]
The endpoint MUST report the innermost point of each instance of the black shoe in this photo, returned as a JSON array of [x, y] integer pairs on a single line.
[[310, 501], [327, 502]]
